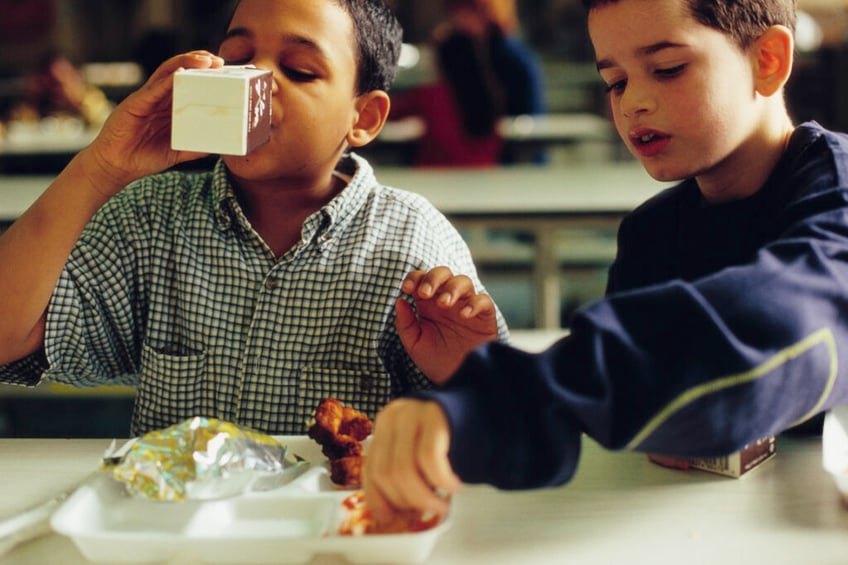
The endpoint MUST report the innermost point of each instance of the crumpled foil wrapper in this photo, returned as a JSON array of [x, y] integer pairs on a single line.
[[203, 459]]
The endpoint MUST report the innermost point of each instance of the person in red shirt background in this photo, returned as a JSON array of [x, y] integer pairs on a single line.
[[484, 74]]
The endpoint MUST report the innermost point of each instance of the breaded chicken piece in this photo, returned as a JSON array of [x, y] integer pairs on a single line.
[[328, 419], [347, 471], [355, 423], [339, 430]]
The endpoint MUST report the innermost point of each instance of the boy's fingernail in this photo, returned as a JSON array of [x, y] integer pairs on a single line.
[[425, 290], [465, 312]]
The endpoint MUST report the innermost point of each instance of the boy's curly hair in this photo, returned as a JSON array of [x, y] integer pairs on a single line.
[[378, 37], [743, 20]]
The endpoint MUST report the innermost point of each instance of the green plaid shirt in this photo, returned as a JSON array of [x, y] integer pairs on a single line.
[[170, 290]]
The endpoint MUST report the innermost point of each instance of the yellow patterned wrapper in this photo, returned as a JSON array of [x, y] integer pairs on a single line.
[[204, 459]]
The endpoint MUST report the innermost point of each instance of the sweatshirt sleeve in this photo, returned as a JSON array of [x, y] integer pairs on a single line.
[[678, 368]]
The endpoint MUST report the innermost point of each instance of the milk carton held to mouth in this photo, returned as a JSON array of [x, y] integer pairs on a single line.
[[225, 111]]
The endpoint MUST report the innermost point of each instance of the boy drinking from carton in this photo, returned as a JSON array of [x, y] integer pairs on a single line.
[[250, 292], [725, 317]]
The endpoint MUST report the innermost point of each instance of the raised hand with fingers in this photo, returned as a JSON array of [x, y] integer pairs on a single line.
[[449, 321], [135, 140]]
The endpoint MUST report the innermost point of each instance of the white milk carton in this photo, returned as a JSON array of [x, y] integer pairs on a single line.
[[225, 110]]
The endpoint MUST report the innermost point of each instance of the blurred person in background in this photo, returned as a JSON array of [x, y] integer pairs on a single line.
[[57, 89], [516, 65], [485, 72]]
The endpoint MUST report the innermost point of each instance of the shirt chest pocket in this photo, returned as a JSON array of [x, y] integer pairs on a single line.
[[171, 388]]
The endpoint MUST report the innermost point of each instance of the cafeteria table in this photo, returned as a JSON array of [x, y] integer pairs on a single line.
[[552, 204], [619, 508], [546, 129], [26, 140], [42, 148], [549, 203], [39, 142], [527, 138]]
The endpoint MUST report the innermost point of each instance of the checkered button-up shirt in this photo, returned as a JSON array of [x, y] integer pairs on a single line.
[[170, 290]]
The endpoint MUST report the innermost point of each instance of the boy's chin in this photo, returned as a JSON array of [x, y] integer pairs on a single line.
[[255, 165], [664, 173], [255, 158]]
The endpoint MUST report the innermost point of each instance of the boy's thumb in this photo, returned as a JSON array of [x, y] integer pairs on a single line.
[[404, 316]]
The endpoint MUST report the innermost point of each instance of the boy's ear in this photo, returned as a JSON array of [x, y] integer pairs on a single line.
[[372, 109], [773, 54]]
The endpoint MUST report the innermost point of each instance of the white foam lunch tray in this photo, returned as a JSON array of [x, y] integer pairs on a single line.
[[290, 524]]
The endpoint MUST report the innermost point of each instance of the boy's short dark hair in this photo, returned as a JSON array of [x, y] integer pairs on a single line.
[[742, 20], [378, 36]]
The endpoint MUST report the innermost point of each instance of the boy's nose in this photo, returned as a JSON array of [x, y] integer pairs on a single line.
[[636, 101]]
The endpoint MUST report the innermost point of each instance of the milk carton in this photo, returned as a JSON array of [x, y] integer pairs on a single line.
[[225, 110]]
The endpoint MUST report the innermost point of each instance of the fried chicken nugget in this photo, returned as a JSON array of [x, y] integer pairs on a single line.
[[341, 446], [339, 430], [347, 471], [328, 419], [355, 423]]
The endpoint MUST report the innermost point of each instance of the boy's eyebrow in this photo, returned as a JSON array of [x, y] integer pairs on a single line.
[[237, 32], [297, 39], [642, 51]]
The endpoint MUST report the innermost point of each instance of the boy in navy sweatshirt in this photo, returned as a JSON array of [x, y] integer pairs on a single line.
[[724, 318]]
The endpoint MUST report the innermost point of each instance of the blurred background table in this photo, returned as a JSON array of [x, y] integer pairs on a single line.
[[567, 215], [566, 127], [524, 137], [18, 192], [45, 148]]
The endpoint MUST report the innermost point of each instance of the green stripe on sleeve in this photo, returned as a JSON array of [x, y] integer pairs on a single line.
[[782, 357]]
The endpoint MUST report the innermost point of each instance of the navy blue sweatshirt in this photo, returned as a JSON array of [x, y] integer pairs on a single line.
[[722, 324]]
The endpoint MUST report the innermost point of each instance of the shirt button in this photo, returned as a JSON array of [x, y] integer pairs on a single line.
[[272, 283], [366, 383]]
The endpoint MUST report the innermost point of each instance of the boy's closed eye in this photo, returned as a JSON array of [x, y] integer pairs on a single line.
[[301, 62], [662, 73], [617, 86], [294, 74], [299, 75], [614, 81], [670, 72]]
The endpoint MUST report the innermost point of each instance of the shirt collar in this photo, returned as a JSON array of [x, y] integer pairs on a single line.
[[227, 209], [337, 213], [330, 220]]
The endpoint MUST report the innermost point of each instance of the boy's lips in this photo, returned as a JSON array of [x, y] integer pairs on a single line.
[[648, 142]]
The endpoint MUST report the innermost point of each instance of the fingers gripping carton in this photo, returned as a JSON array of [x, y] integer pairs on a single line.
[[225, 110]]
